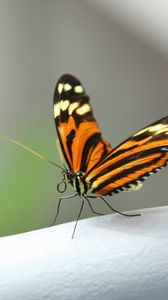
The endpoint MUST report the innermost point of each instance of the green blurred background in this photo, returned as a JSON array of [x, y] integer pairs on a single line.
[[125, 74]]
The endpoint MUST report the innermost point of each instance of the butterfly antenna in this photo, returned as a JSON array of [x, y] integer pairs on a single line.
[[9, 139]]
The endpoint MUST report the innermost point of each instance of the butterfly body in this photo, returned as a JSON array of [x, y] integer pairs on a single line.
[[77, 181]]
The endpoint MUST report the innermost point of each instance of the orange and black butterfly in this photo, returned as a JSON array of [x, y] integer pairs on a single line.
[[93, 166]]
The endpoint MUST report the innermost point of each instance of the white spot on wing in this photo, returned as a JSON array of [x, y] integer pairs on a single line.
[[64, 104], [72, 107], [155, 129], [78, 89], [60, 88], [134, 187], [83, 109], [56, 110], [67, 87]]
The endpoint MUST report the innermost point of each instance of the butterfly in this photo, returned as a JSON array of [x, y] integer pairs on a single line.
[[93, 166]]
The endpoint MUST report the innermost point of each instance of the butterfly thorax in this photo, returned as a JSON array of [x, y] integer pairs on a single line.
[[77, 180]]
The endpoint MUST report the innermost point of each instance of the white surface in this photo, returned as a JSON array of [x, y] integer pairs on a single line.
[[111, 257], [148, 19]]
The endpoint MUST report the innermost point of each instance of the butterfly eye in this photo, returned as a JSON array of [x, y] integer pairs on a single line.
[[61, 186]]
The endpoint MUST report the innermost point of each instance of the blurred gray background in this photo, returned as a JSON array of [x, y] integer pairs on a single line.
[[119, 50]]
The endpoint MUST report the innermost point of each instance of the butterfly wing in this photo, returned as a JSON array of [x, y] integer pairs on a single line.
[[78, 131], [141, 155]]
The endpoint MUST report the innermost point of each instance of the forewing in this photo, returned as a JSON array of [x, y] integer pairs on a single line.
[[78, 131], [129, 164]]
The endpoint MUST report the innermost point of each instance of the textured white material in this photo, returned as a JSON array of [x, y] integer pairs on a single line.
[[111, 257]]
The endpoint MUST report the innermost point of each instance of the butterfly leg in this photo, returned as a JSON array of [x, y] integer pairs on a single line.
[[81, 208], [93, 211], [59, 204], [123, 214]]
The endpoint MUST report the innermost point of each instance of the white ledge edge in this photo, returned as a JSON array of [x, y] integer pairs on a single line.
[[111, 257]]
